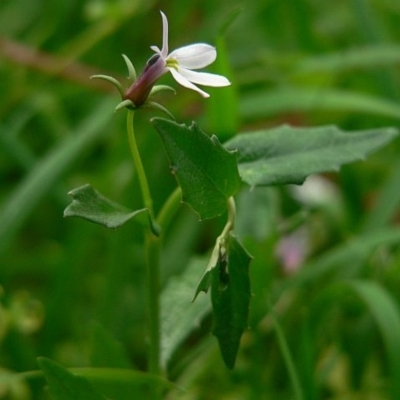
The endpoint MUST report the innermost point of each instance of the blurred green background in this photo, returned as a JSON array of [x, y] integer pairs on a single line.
[[326, 255]]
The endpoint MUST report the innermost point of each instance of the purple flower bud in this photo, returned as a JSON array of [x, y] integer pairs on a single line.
[[140, 90]]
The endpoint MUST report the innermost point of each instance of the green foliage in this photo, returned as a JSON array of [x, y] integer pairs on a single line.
[[179, 317], [48, 171], [64, 385], [89, 204], [321, 320], [288, 155], [80, 383], [206, 172], [386, 313], [230, 296]]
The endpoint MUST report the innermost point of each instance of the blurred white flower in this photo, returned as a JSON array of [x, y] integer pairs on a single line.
[[316, 191]]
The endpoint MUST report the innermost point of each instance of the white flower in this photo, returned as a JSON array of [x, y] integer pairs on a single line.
[[182, 61]]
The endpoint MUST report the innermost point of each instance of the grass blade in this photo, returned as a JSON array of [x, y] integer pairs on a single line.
[[385, 311], [49, 170]]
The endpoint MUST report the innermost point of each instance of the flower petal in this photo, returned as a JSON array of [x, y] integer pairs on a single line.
[[164, 51], [156, 49], [194, 56], [184, 82], [203, 78]]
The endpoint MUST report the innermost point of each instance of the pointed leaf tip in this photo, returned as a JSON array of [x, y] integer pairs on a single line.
[[111, 80], [203, 285], [230, 297], [89, 204]]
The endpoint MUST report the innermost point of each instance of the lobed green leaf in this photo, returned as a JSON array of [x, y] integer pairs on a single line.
[[206, 171], [230, 297], [289, 154], [89, 204]]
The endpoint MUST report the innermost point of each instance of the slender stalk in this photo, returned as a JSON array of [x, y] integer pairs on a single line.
[[147, 200], [230, 225], [152, 249], [169, 209]]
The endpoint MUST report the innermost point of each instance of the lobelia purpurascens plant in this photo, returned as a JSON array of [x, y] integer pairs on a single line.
[[180, 62], [209, 175]]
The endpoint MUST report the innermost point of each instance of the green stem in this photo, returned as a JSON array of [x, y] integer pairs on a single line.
[[231, 213], [230, 223], [229, 226], [169, 209], [153, 250], [147, 200]]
